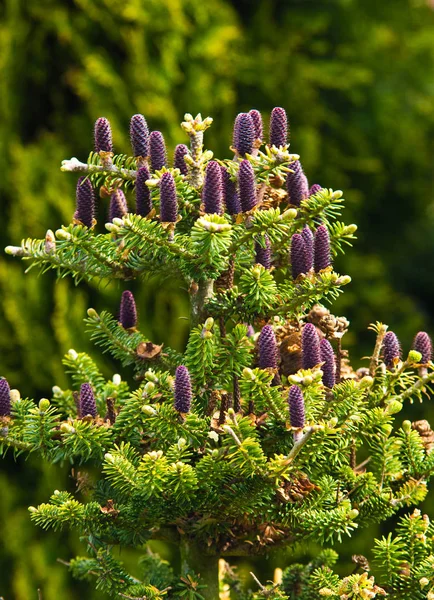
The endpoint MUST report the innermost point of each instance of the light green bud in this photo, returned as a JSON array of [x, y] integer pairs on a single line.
[[344, 280], [414, 356], [109, 457], [333, 422], [366, 382], [32, 509], [57, 391], [182, 442], [307, 380], [151, 376], [337, 194], [249, 374], [44, 404], [209, 324], [117, 379], [317, 375], [295, 379], [67, 428], [72, 354], [149, 410], [387, 429], [15, 395], [214, 436], [118, 222], [207, 335], [91, 312], [112, 228], [423, 582], [353, 514], [149, 388], [406, 425], [393, 407], [350, 228], [288, 215], [61, 234]]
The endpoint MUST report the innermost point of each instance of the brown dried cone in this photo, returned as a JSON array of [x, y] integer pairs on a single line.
[[316, 313], [223, 409], [426, 433], [226, 279], [111, 413], [289, 342], [295, 490]]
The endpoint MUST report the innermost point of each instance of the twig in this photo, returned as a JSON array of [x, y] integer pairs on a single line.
[[376, 354]]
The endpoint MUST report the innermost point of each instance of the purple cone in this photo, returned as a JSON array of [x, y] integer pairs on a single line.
[[308, 243], [391, 349], [5, 398], [296, 407], [296, 184], [322, 258], [139, 135], [244, 134], [181, 151], [298, 255], [257, 123], [128, 310], [267, 348], [168, 201], [314, 189], [212, 193], [87, 401], [183, 393], [230, 193], [278, 127], [118, 205], [422, 343], [85, 202], [250, 330], [310, 348], [157, 151], [103, 135], [329, 366], [143, 193], [263, 253], [247, 186]]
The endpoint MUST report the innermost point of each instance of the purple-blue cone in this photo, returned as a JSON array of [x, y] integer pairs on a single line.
[[139, 135], [247, 186], [250, 331], [103, 135], [422, 343], [314, 189], [181, 151], [298, 255], [87, 401], [267, 348], [157, 150], [296, 184], [322, 258], [183, 393], [212, 193], [308, 244], [257, 123], [310, 348], [168, 201], [263, 252], [118, 205], [278, 127], [296, 407], [391, 349], [230, 193], [128, 310], [143, 193], [85, 202], [244, 134], [5, 398], [329, 366]]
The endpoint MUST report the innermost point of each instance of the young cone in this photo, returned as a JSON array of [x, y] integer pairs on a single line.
[[296, 407], [85, 202], [422, 343], [118, 205], [247, 186], [212, 194], [329, 366], [168, 201], [139, 135], [143, 193], [278, 127], [267, 348], [298, 255], [263, 253], [103, 135], [322, 257], [296, 184], [257, 124], [128, 310], [308, 243], [310, 347], [314, 189], [230, 193], [244, 134], [87, 401], [391, 349], [181, 151], [183, 393], [5, 398], [157, 150]]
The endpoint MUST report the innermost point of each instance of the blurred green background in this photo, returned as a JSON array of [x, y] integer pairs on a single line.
[[357, 80]]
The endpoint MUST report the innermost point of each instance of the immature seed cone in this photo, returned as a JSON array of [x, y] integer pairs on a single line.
[[257, 123], [212, 193], [181, 151], [118, 205], [278, 127], [296, 407], [230, 193], [391, 349], [168, 201], [87, 401], [314, 189], [143, 193], [247, 186], [103, 135], [296, 184], [310, 348], [244, 134], [85, 202], [5, 398], [329, 366], [128, 310], [267, 348], [157, 149], [298, 255], [422, 343], [183, 393], [322, 257], [250, 330], [308, 243], [139, 135], [263, 253]]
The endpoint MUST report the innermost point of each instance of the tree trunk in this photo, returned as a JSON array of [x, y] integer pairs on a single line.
[[195, 559], [203, 292]]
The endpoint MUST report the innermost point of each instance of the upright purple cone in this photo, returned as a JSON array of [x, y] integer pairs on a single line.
[[298, 255], [181, 151], [5, 398], [118, 205], [87, 401], [157, 149], [257, 123], [103, 135], [329, 366], [391, 349], [212, 193], [168, 201], [278, 127], [143, 193], [314, 189], [139, 135], [244, 134], [183, 393], [296, 407], [422, 343], [85, 202], [230, 193], [308, 243], [322, 257], [296, 184], [128, 310], [247, 186], [267, 348], [263, 253], [310, 348]]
